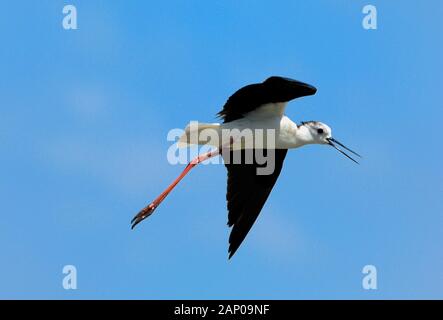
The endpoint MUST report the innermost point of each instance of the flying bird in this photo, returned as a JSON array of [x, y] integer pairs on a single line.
[[256, 106]]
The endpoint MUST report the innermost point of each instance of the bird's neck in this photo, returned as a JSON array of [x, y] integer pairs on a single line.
[[303, 136], [293, 136]]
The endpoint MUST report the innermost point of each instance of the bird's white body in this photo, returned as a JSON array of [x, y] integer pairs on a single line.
[[265, 127]]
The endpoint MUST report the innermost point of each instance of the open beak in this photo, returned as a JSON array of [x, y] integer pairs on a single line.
[[334, 143]]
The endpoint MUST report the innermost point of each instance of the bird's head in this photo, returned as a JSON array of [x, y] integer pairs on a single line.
[[320, 133]]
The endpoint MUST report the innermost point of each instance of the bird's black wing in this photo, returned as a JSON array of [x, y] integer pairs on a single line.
[[272, 90], [247, 193]]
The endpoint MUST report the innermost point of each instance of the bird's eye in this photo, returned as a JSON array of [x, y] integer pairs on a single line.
[[320, 131]]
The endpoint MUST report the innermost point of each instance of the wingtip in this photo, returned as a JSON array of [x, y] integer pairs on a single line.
[[231, 252]]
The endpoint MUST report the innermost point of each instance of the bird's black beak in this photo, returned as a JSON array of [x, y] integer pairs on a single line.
[[334, 143]]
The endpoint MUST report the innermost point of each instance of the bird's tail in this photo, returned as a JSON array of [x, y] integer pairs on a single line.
[[197, 133]]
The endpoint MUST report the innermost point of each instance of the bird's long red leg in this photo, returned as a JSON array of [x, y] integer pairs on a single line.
[[149, 209]]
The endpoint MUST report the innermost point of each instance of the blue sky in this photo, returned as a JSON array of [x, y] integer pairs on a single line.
[[84, 116]]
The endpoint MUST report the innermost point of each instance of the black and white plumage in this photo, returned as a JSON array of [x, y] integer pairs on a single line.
[[255, 106], [253, 96], [247, 192]]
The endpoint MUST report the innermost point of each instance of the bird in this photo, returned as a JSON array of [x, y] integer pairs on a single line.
[[255, 106]]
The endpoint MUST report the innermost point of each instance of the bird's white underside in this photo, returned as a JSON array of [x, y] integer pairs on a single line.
[[265, 127]]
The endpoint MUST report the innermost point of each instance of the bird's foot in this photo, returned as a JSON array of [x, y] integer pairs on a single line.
[[143, 214]]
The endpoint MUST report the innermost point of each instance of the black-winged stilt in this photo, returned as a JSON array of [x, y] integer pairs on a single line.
[[256, 106]]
